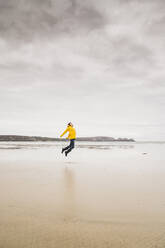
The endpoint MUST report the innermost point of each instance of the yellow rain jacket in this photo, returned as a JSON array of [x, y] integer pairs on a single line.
[[72, 133]]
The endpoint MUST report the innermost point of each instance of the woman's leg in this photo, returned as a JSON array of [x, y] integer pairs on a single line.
[[71, 146], [67, 147]]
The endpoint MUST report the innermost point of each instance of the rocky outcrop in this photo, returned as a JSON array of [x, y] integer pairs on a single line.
[[25, 138], [38, 138]]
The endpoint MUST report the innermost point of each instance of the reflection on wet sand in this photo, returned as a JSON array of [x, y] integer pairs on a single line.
[[69, 193], [95, 145], [106, 147]]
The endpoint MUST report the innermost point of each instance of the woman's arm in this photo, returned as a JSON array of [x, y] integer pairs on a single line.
[[64, 132]]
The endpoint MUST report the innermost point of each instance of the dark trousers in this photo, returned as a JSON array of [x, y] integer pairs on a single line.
[[70, 147]]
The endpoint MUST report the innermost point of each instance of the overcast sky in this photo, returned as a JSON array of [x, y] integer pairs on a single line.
[[97, 63]]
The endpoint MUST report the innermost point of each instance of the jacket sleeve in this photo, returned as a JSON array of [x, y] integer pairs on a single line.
[[64, 132]]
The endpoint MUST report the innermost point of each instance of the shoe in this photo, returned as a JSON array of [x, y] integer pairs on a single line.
[[66, 154]]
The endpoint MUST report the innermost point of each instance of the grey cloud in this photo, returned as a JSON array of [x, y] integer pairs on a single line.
[[121, 54], [35, 18], [156, 28], [75, 59], [132, 58]]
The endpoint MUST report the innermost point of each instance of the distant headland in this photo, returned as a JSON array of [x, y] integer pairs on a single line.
[[38, 138]]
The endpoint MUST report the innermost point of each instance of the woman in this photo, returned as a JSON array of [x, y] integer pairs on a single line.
[[71, 136]]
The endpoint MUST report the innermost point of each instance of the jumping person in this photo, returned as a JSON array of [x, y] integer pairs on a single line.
[[71, 136]]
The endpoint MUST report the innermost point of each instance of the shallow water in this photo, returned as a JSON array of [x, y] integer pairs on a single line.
[[102, 195]]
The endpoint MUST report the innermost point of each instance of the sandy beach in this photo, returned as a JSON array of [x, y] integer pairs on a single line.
[[104, 195]]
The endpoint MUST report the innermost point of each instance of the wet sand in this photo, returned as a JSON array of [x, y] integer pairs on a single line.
[[100, 196]]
